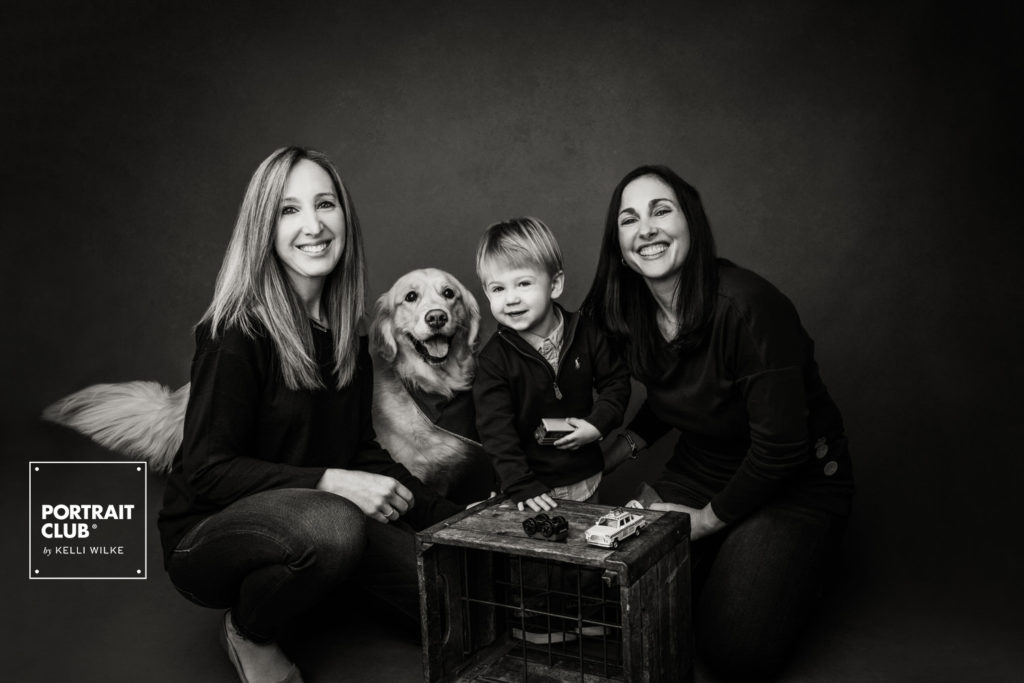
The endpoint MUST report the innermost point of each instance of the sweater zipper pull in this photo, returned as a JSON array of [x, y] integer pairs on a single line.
[[558, 392]]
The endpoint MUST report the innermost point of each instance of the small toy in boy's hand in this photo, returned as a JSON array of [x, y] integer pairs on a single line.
[[552, 528], [551, 429]]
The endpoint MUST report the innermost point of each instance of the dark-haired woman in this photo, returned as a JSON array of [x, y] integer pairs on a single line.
[[761, 463]]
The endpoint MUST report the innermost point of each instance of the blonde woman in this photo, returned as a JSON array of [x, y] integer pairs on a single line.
[[279, 491]]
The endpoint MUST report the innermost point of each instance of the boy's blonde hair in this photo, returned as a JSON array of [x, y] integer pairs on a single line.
[[517, 243]]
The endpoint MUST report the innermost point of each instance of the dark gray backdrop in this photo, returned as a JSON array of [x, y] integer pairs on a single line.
[[863, 158]]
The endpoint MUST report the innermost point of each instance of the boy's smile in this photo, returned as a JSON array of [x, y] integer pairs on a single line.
[[521, 298]]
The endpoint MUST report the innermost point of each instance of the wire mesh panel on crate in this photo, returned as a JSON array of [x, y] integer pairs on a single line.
[[501, 604]]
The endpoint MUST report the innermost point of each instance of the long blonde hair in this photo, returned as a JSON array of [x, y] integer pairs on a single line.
[[253, 289]]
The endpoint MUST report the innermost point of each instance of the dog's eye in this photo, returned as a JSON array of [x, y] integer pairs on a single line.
[[411, 296], [448, 293]]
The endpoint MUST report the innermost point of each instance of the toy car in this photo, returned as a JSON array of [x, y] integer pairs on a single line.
[[552, 528], [615, 526]]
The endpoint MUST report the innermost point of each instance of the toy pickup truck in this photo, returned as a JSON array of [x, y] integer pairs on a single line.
[[615, 526]]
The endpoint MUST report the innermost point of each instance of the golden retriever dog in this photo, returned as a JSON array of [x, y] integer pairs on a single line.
[[424, 332]]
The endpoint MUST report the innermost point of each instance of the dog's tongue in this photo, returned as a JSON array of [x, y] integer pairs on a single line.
[[437, 347]]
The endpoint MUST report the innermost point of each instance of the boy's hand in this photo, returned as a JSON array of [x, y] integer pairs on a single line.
[[585, 433], [541, 503]]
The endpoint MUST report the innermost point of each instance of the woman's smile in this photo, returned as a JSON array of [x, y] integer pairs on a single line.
[[652, 251], [315, 248]]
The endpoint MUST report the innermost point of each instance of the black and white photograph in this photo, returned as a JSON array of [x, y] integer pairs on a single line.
[[512, 341]]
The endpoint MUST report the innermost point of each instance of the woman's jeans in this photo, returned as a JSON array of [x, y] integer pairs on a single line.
[[755, 584], [272, 556]]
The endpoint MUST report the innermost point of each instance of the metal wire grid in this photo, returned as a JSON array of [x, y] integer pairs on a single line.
[[558, 614]]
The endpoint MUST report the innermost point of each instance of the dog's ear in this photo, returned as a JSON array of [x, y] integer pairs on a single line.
[[474, 317], [382, 329]]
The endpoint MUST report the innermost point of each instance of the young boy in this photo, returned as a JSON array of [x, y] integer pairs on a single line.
[[542, 362]]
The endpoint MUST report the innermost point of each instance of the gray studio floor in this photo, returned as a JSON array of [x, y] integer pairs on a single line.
[[144, 631]]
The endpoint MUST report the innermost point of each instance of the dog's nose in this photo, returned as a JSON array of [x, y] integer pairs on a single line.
[[436, 318]]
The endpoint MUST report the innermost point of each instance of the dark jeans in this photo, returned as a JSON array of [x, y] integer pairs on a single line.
[[272, 556], [755, 584]]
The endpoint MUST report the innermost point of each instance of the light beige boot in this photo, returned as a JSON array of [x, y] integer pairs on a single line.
[[255, 662]]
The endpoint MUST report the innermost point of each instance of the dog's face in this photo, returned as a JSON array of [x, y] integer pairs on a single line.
[[427, 327]]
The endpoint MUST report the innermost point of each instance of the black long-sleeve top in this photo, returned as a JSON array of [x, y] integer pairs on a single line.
[[515, 387], [754, 416], [246, 432]]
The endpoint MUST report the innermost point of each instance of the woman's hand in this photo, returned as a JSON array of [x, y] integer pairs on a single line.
[[703, 522], [538, 503], [583, 433], [380, 497]]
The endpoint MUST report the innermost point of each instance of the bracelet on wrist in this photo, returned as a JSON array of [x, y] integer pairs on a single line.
[[634, 449]]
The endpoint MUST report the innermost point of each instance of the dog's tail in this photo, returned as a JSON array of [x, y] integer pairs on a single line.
[[143, 420]]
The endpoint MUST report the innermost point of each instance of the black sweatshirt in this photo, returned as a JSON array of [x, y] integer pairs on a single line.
[[515, 387], [752, 410], [246, 432]]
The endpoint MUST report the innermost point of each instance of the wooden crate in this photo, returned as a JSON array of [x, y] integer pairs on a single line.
[[464, 568]]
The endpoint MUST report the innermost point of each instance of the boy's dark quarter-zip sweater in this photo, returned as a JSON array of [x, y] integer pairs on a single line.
[[515, 387]]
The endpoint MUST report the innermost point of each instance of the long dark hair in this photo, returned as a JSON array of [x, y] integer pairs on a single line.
[[619, 300]]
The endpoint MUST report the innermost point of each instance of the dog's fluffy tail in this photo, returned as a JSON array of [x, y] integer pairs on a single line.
[[143, 420]]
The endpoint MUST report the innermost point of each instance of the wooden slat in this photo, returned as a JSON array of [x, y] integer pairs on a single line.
[[632, 634], [679, 609], [431, 604]]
